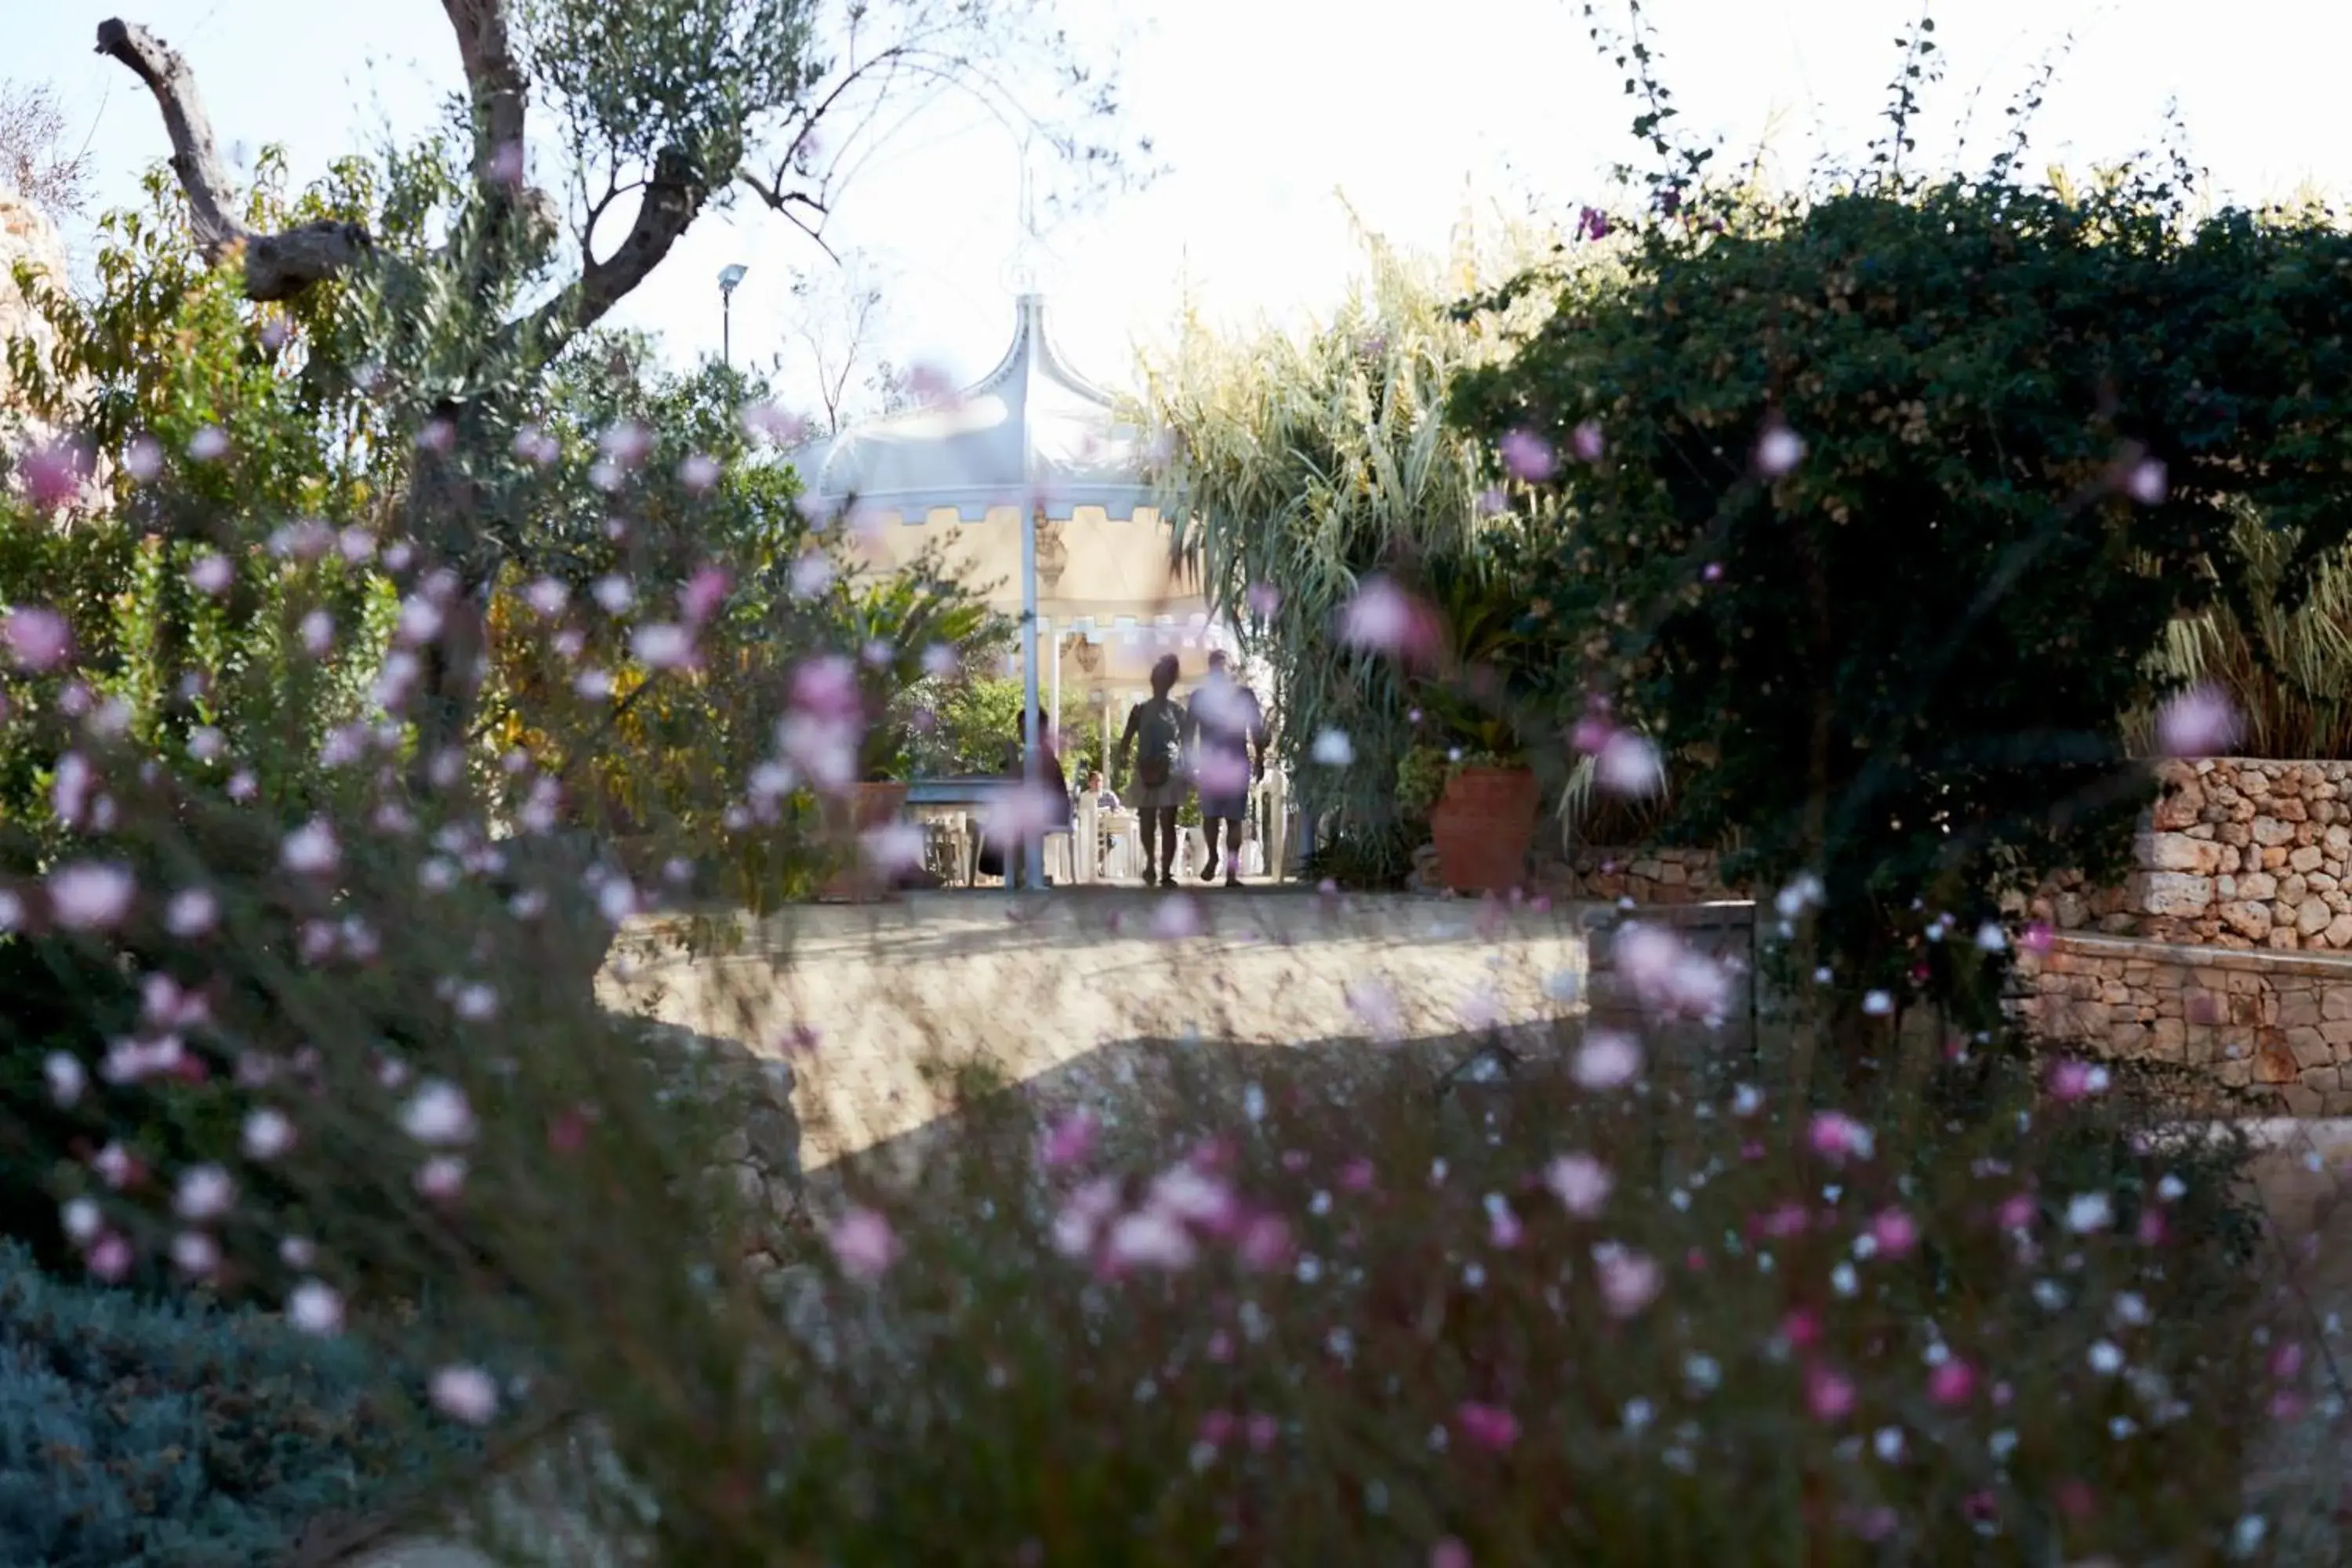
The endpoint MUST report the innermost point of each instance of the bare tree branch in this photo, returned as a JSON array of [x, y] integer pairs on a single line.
[[672, 199], [277, 266]]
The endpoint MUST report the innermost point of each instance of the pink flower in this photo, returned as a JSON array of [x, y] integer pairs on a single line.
[[464, 1393], [204, 1195], [53, 474], [1629, 765], [314, 1308], [2072, 1080], [698, 473], [310, 850], [1528, 456], [703, 594], [1080, 1222], [1449, 1552], [827, 688], [2145, 483], [1266, 1244], [89, 896], [1586, 442], [211, 573], [1834, 1135], [661, 646], [1629, 1281], [1261, 1431], [1263, 599], [1895, 1232], [1151, 1239], [1490, 1426], [1580, 1183], [1952, 1382], [1071, 1138], [1828, 1395], [863, 1244], [1187, 1193], [38, 639], [811, 574], [2017, 1211], [1175, 918], [2200, 722], [1607, 1060], [1382, 618]]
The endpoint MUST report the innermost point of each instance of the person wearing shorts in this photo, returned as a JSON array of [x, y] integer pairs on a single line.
[[1158, 733]]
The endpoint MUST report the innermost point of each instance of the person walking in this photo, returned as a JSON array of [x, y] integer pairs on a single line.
[[1228, 728], [1156, 733]]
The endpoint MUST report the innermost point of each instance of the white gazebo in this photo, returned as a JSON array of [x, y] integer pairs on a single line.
[[1053, 510]]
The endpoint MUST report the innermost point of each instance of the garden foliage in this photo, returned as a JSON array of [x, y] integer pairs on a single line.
[[1898, 482]]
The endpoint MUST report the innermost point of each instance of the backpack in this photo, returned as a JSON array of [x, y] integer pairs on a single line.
[[1161, 732]]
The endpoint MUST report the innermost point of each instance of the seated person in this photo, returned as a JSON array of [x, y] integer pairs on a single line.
[[1000, 854], [1106, 798]]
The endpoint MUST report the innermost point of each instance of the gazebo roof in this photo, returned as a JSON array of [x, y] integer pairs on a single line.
[[1032, 429]]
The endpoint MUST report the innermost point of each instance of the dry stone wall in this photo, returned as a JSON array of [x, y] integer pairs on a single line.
[[2238, 853], [1652, 878], [2274, 1025]]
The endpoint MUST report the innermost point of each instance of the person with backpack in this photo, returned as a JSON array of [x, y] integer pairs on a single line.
[[1158, 733]]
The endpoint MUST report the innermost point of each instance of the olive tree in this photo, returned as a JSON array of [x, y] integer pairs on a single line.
[[644, 117]]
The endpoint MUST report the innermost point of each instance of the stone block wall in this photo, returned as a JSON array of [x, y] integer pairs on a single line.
[[2240, 853], [2270, 1022], [1651, 877]]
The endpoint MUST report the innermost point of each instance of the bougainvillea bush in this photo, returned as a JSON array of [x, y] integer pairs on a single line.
[[1875, 499]]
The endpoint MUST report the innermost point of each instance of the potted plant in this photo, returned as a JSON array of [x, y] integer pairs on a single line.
[[894, 623], [1470, 777]]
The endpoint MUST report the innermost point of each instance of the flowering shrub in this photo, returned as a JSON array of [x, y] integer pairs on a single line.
[[1882, 495]]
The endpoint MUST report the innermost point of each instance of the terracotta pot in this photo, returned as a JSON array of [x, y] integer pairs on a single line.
[[1483, 826], [866, 808]]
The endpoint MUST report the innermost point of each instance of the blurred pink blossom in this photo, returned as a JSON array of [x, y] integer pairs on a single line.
[[38, 639], [53, 474], [1263, 599], [1835, 1135], [1586, 442], [1629, 765], [89, 896], [1952, 1382], [1607, 1060], [863, 1244], [1779, 451], [1828, 1395], [703, 594], [1488, 1426], [1150, 1239], [1071, 1140], [1896, 1232], [1449, 1552], [1629, 1281], [1382, 618], [1528, 456], [2199, 723], [1580, 1183], [464, 1393]]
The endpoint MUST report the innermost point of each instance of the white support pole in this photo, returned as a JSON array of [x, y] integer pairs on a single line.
[[1053, 706], [1033, 841]]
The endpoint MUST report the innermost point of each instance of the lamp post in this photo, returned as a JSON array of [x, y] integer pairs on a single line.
[[729, 276]]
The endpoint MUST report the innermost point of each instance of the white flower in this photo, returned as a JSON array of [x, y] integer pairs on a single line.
[[314, 1308], [267, 1134], [1332, 749], [2088, 1212], [438, 1114], [1582, 1183], [1607, 1060], [464, 1393]]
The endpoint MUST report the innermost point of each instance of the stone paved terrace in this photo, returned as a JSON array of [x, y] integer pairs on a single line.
[[1032, 985]]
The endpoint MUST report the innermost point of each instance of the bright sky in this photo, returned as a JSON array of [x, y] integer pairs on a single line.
[[1266, 109]]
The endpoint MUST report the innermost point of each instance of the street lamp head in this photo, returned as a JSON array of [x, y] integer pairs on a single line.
[[730, 275]]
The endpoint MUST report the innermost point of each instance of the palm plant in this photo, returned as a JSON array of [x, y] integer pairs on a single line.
[[2288, 673], [1300, 464]]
